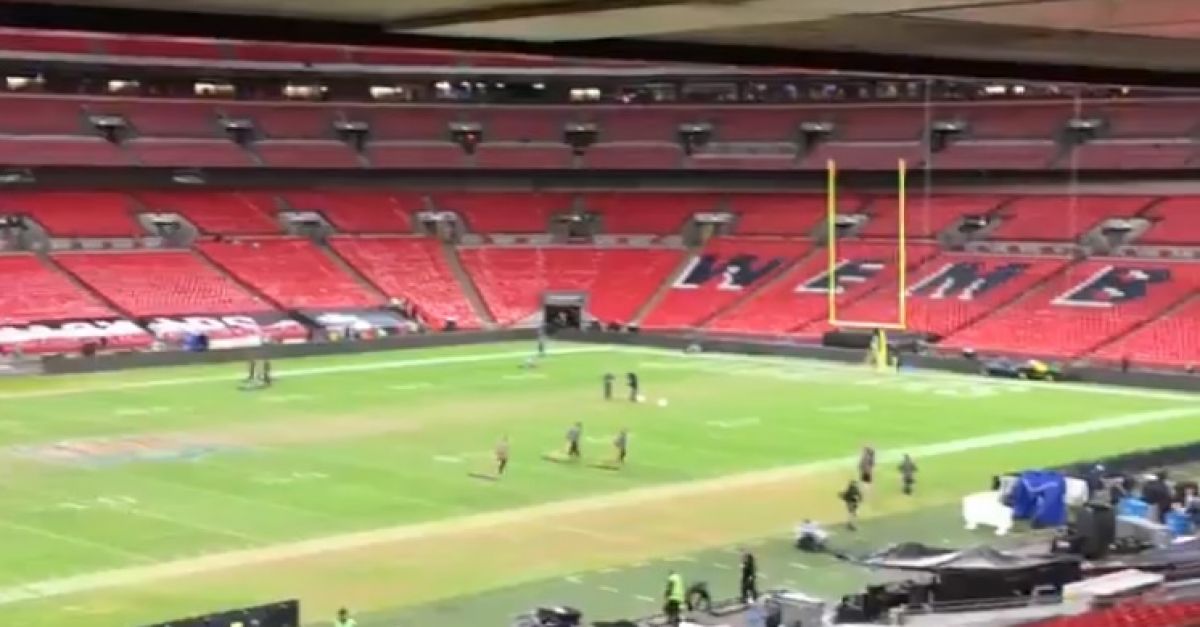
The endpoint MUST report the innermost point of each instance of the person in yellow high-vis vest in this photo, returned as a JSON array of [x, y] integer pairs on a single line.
[[675, 598]]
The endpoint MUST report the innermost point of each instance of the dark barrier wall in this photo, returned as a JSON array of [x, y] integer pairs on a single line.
[[101, 363]]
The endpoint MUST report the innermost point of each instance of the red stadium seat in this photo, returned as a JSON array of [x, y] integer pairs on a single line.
[[882, 156], [61, 150], [414, 269], [1129, 154], [219, 213], [291, 272], [202, 153], [286, 121], [358, 211], [416, 155], [505, 212], [997, 155], [159, 283], [926, 217], [44, 294], [163, 118], [525, 124], [77, 214], [34, 115], [405, 123], [1176, 221], [1172, 340], [634, 156], [648, 212], [524, 156], [306, 153], [617, 280], [1062, 218]]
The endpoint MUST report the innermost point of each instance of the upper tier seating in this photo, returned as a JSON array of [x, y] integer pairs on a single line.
[[801, 296], [414, 269], [1062, 218], [31, 150], [924, 220], [505, 212], [639, 124], [617, 280], [1009, 120], [725, 271], [782, 214], [405, 123], [952, 290], [1169, 340], [306, 153], [1147, 119], [291, 272], [77, 214], [634, 155], [24, 115], [883, 156], [1136, 154], [647, 212], [189, 152], [505, 124], [219, 213], [286, 120], [416, 154], [766, 125], [163, 118], [160, 283], [1176, 221], [359, 211], [1090, 303], [42, 294], [997, 155], [523, 155], [744, 160]]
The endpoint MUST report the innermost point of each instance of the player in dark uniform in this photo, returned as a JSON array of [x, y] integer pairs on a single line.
[[608, 385], [632, 379], [866, 465], [266, 373], [852, 497], [501, 456], [908, 474], [573, 436], [749, 578], [621, 443]]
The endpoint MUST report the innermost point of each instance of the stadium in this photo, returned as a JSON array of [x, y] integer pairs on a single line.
[[551, 314]]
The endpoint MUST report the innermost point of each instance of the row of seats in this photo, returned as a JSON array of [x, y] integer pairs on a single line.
[[1172, 220], [1016, 128]]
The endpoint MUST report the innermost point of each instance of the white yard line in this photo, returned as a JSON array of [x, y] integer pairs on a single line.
[[215, 562], [283, 372]]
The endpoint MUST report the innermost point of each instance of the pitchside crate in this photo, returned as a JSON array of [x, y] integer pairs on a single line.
[[281, 614]]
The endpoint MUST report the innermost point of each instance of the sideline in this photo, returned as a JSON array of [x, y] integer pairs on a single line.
[[136, 575]]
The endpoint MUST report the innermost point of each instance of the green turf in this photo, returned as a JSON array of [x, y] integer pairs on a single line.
[[363, 442]]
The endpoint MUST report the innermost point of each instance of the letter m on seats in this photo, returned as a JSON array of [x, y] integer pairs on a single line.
[[966, 280], [738, 272]]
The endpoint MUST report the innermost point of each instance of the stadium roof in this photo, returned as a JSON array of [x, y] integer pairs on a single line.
[[1143, 35]]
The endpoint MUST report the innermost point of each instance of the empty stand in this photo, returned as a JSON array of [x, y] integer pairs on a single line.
[[77, 214], [1146, 119], [760, 125], [657, 213], [927, 216], [414, 269], [44, 294], [782, 214], [164, 118], [1175, 221], [634, 156], [1136, 154], [744, 161], [524, 155], [526, 124], [286, 121], [725, 271], [617, 280], [416, 155], [160, 283], [997, 155], [1085, 306], [358, 211], [1010, 120], [219, 213], [1172, 340], [874, 123], [405, 123], [172, 47], [291, 272], [800, 297], [1062, 218], [952, 290], [282, 52], [306, 153], [883, 156], [505, 212], [203, 153], [61, 150], [640, 124], [25, 115]]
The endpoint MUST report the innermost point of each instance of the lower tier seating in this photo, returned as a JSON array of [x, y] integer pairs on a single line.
[[359, 212], [42, 294], [219, 213], [801, 297], [291, 272], [1170, 340], [414, 269], [726, 270], [924, 218], [660, 214], [1175, 221], [952, 290], [160, 283], [617, 280], [505, 212], [1062, 218], [1087, 305], [784, 214]]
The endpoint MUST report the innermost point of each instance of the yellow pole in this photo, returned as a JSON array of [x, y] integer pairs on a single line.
[[902, 206], [831, 226]]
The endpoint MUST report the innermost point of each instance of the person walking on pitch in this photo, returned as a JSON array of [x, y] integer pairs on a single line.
[[502, 456], [908, 474], [621, 443], [608, 385], [573, 436]]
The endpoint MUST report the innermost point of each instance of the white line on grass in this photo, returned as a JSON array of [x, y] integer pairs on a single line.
[[285, 373], [644, 598], [610, 589], [737, 423], [138, 575]]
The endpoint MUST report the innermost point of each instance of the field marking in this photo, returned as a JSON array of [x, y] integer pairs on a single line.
[[642, 597], [406, 387], [524, 376], [282, 373], [448, 459], [800, 565], [845, 409], [285, 398], [141, 411], [737, 423], [609, 589], [801, 364], [213, 562]]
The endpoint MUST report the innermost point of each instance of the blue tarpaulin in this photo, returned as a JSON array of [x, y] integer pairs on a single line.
[[1039, 497]]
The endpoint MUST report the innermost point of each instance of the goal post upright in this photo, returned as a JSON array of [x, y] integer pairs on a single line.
[[901, 322]]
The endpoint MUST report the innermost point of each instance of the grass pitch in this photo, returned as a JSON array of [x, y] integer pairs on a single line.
[[143, 496]]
